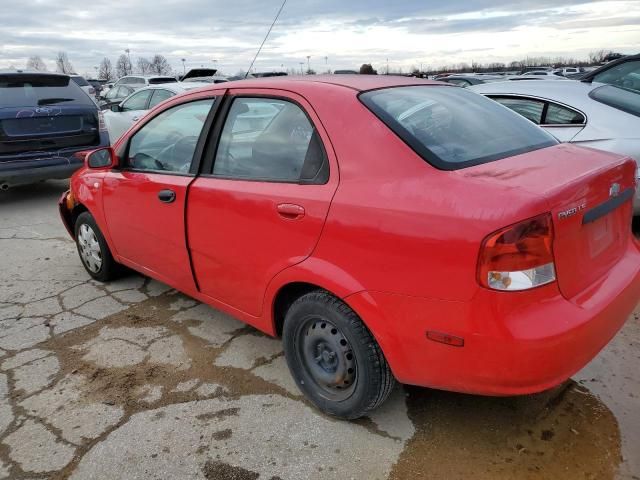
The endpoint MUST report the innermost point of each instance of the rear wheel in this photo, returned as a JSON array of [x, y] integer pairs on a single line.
[[333, 358], [93, 249]]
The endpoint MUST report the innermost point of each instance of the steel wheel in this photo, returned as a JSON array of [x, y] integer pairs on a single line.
[[90, 251], [328, 358]]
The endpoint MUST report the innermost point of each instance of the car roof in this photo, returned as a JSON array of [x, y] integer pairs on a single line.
[[19, 71], [568, 92], [354, 82]]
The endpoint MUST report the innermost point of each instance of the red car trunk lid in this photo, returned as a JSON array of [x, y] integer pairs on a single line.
[[588, 193]]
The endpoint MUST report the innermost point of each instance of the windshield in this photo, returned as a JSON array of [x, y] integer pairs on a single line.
[[625, 75], [453, 128], [619, 98], [27, 90]]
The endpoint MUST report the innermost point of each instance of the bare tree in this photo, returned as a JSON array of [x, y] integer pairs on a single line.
[[367, 69], [144, 66], [105, 70], [63, 65], [36, 63], [160, 65], [123, 66]]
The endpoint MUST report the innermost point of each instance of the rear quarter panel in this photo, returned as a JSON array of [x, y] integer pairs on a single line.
[[397, 224]]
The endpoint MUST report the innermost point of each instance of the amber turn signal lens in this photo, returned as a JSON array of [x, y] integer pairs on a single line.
[[70, 201]]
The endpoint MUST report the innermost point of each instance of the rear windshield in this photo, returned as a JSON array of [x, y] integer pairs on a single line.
[[453, 128], [158, 80], [620, 98], [80, 81], [28, 90]]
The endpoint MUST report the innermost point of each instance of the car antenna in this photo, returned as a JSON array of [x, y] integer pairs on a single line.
[[265, 38]]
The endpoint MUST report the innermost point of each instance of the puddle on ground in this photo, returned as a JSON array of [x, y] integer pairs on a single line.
[[563, 433]]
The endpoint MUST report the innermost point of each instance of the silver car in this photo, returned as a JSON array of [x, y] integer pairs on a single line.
[[589, 114]]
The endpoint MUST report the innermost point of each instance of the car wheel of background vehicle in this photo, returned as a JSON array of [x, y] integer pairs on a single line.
[[333, 357], [93, 249]]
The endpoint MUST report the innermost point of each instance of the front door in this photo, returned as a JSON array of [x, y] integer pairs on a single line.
[[144, 201], [262, 207]]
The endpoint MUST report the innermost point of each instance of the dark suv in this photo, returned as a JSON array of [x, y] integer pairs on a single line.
[[45, 119]]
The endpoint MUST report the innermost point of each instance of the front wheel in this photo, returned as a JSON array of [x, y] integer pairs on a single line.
[[93, 249], [333, 357]]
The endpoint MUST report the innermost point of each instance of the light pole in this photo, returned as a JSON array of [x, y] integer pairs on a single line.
[[129, 58], [326, 63], [301, 68], [184, 69], [215, 63], [387, 66], [308, 64]]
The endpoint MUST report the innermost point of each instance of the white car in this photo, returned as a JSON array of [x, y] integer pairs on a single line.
[[538, 75], [587, 114], [121, 116], [138, 81]]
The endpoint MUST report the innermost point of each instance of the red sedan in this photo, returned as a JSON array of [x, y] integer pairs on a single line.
[[387, 228]]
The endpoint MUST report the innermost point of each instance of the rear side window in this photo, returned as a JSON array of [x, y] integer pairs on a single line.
[[559, 115], [270, 140], [29, 90], [625, 100], [453, 128]]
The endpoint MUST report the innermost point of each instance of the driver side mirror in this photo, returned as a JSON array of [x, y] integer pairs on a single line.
[[116, 108], [102, 158]]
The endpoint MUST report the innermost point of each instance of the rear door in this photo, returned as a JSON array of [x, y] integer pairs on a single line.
[[261, 205], [144, 201]]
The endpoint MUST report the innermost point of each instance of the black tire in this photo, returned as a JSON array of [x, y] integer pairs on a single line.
[[108, 269], [333, 358]]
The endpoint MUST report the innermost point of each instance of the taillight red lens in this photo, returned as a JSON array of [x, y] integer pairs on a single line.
[[518, 257]]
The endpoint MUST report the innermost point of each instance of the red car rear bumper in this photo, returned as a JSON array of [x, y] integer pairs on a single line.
[[514, 342]]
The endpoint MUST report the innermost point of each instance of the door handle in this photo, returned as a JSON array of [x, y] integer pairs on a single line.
[[290, 211], [135, 119], [166, 196]]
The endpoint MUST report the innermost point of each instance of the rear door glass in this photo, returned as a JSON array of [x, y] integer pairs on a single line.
[[272, 140], [529, 109]]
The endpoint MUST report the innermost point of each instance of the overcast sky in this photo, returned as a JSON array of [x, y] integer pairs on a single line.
[[347, 32]]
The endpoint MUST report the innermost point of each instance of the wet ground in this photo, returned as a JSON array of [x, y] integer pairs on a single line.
[[134, 380]]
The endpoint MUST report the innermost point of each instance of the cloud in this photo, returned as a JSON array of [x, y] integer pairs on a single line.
[[348, 33]]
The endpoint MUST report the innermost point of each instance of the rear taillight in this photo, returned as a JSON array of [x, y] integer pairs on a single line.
[[518, 257], [101, 123]]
